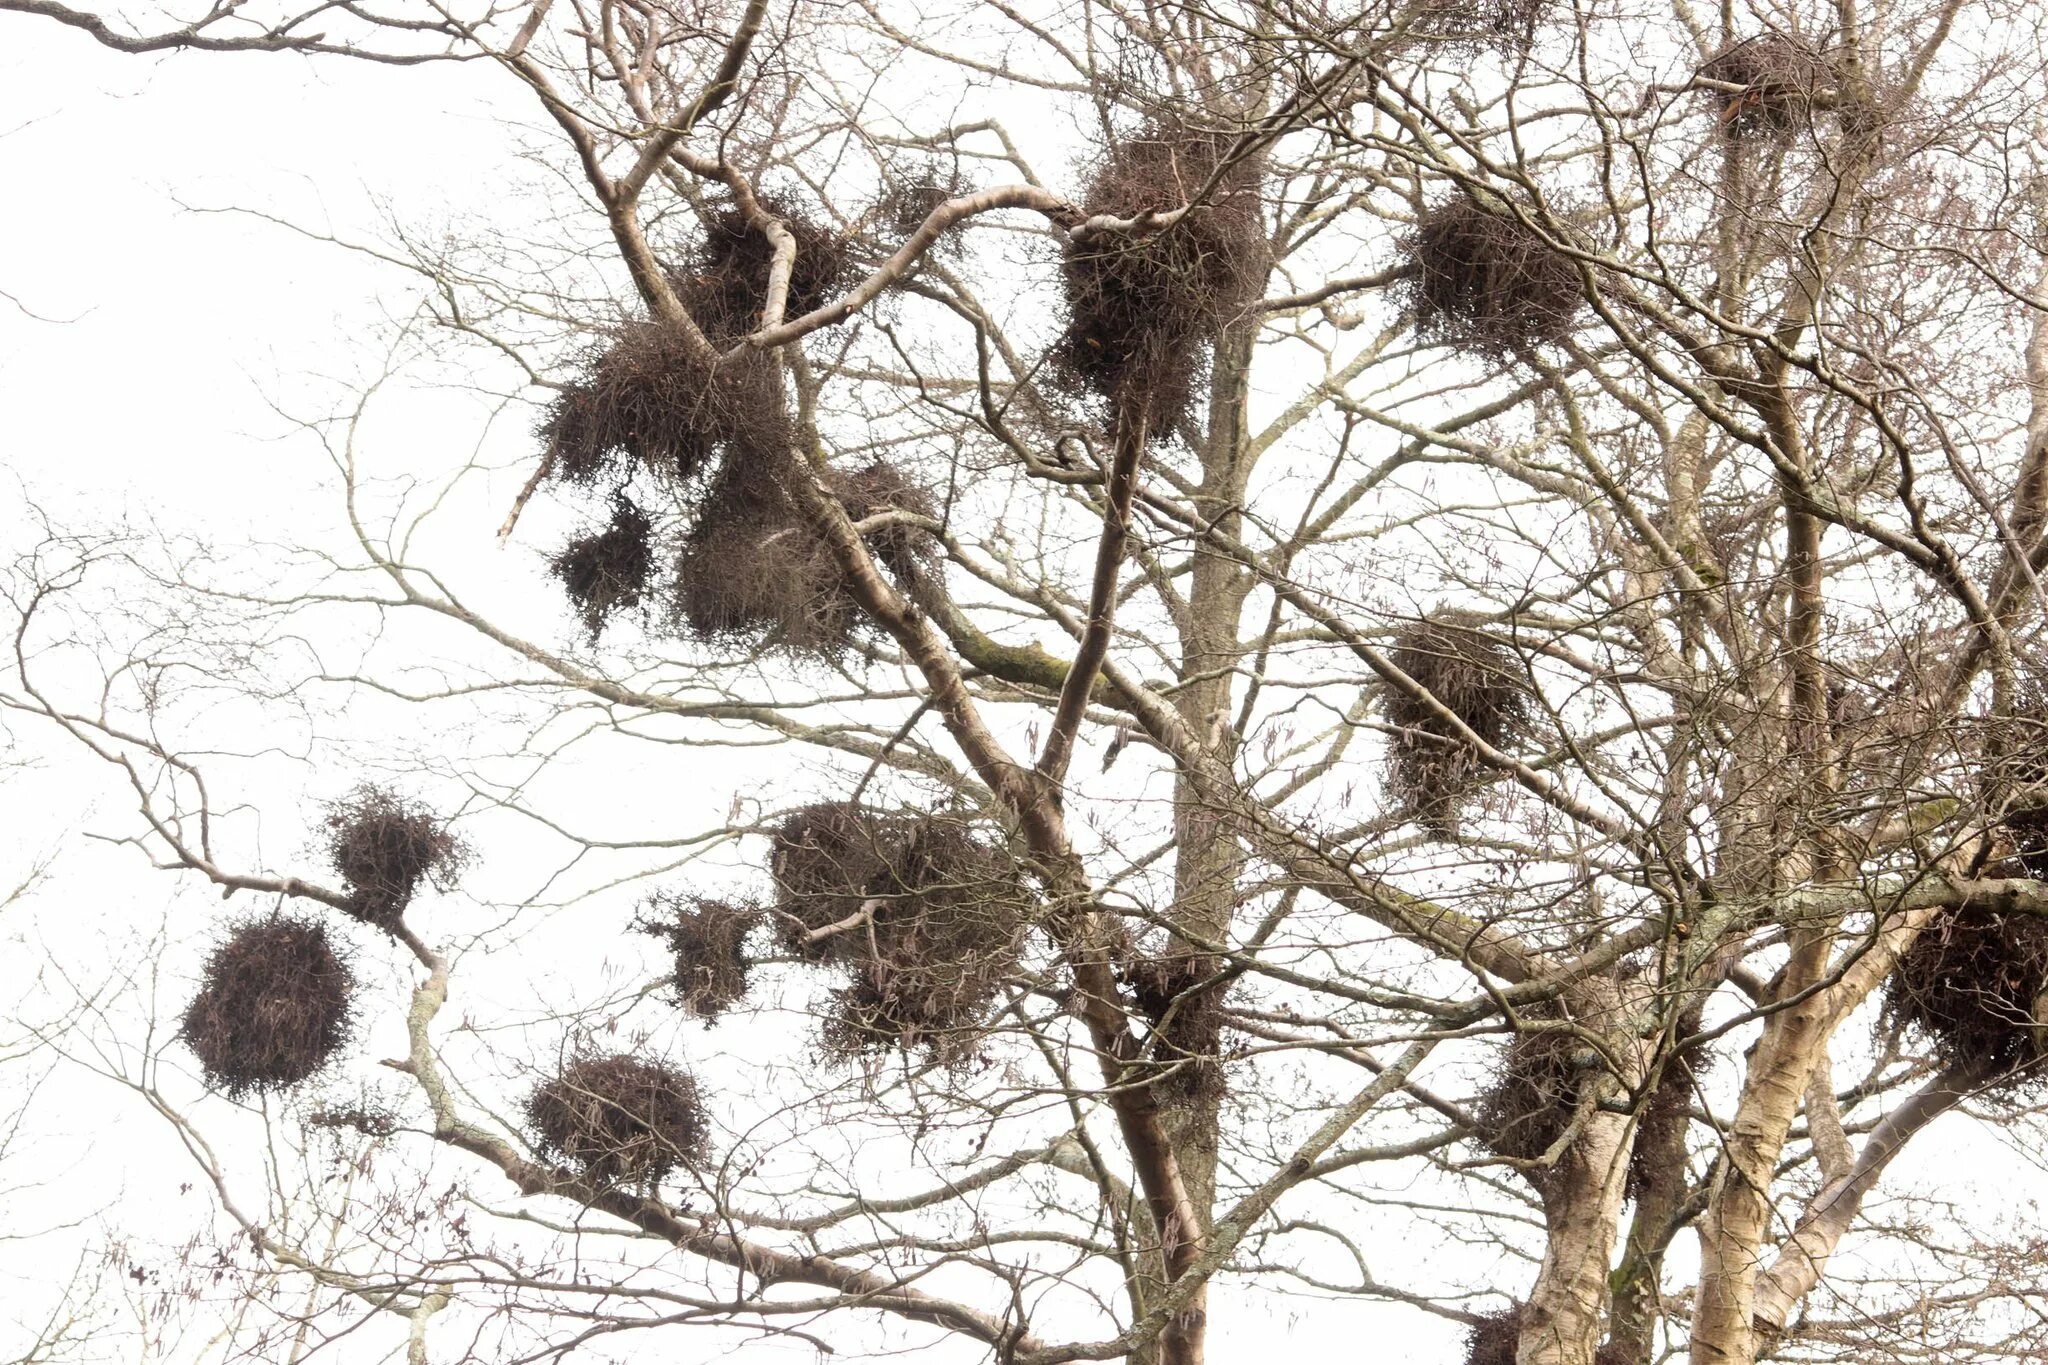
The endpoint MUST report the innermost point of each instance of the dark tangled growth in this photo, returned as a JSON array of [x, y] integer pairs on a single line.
[[385, 849], [911, 195], [1777, 75], [620, 1118], [275, 1005], [1495, 1337], [753, 571], [1972, 985], [1182, 1003], [1657, 1159], [750, 571], [608, 571], [1535, 1091], [1479, 680], [1145, 305], [1481, 278], [925, 912], [823, 858], [1508, 24], [709, 941], [724, 283], [905, 550], [651, 400], [2016, 787]]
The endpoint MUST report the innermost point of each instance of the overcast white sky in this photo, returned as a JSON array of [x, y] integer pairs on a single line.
[[141, 382]]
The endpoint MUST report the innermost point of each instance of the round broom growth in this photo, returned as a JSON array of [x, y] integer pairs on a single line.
[[385, 849], [926, 913], [620, 1118], [650, 400], [608, 571], [275, 1005], [1665, 1113], [2015, 786], [1494, 1338], [905, 550], [1775, 76], [1535, 1091], [1505, 24], [912, 194], [709, 941], [754, 573], [823, 858], [1182, 1003], [1485, 280], [1973, 985], [946, 921], [1476, 677], [1144, 305], [724, 284]]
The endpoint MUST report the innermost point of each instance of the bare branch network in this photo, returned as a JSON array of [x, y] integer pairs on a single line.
[[1213, 663]]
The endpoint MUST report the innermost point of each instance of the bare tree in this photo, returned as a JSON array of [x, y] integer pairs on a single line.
[[1413, 626]]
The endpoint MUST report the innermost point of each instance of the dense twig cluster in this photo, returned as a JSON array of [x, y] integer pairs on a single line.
[[753, 571], [608, 571], [724, 282], [1495, 1337], [275, 1004], [1482, 278], [1973, 984], [1665, 1114], [651, 400], [925, 912], [2015, 786], [1529, 1106], [1535, 1092], [1478, 679], [1181, 1000], [1145, 305], [385, 849], [904, 548], [913, 194], [1506, 24], [620, 1118], [750, 571], [709, 941], [1777, 75]]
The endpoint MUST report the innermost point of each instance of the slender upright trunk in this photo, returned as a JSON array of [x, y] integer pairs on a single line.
[[1209, 856], [1582, 1198]]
